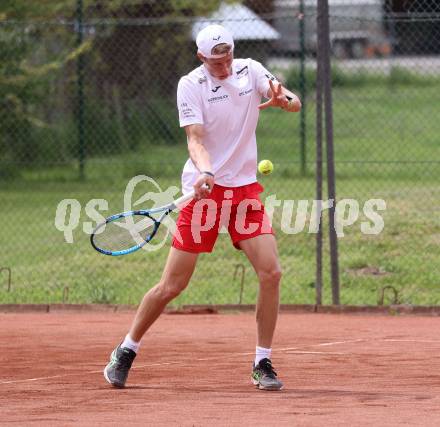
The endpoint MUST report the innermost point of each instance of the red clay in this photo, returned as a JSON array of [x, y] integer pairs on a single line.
[[193, 370]]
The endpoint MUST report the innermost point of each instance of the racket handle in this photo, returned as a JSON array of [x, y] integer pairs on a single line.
[[181, 200]]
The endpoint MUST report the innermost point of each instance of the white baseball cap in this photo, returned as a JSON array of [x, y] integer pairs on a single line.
[[211, 36]]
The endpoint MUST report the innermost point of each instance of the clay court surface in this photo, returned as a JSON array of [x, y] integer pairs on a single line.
[[193, 370]]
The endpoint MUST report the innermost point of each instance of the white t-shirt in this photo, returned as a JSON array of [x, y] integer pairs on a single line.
[[228, 111]]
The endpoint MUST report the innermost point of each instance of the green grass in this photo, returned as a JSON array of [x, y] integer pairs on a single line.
[[386, 146]]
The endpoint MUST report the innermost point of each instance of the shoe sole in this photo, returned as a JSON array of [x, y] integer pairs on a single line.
[[267, 388], [117, 385]]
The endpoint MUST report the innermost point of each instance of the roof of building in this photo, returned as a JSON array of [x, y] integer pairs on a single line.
[[240, 20]]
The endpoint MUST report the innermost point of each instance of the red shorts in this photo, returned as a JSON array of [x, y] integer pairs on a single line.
[[238, 209]]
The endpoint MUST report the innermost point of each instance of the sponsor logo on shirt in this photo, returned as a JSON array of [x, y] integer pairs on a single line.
[[270, 77], [216, 89], [218, 98], [186, 111], [243, 72], [245, 92]]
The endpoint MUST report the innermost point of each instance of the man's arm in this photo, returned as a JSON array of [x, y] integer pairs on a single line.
[[281, 97], [200, 157]]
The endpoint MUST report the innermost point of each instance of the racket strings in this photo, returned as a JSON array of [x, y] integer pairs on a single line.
[[124, 233]]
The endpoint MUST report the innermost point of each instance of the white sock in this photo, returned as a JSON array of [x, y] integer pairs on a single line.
[[129, 343], [262, 353]]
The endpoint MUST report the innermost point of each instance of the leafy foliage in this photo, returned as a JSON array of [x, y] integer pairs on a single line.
[[39, 48]]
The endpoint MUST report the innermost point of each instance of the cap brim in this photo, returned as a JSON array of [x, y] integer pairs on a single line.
[[210, 56]]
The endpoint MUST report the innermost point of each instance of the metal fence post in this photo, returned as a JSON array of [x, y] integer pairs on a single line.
[[324, 29], [318, 280], [80, 91], [302, 87]]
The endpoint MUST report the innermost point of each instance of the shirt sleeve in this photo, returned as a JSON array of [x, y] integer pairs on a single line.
[[262, 77], [188, 103]]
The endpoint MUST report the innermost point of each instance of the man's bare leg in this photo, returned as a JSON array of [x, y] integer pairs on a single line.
[[175, 278], [262, 253]]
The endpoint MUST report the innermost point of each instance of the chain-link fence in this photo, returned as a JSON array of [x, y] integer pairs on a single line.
[[88, 102]]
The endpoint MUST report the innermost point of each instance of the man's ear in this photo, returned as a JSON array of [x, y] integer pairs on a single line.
[[201, 57]]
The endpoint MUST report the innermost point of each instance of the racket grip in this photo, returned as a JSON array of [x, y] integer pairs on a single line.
[[188, 196]]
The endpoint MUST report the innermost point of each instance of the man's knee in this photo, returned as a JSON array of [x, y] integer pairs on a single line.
[[170, 289], [270, 276]]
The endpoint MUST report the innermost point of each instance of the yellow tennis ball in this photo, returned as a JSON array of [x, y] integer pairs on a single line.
[[265, 167]]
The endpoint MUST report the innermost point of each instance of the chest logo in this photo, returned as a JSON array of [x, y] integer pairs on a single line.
[[245, 92], [243, 72], [218, 98], [216, 89]]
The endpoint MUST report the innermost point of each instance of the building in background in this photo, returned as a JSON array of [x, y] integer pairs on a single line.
[[414, 17], [255, 36], [356, 27]]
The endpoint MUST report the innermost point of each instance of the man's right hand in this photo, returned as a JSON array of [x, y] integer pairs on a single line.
[[203, 186]]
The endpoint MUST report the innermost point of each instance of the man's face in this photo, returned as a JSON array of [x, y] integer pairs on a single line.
[[220, 68]]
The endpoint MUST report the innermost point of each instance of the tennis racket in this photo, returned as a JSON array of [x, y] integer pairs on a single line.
[[127, 232]]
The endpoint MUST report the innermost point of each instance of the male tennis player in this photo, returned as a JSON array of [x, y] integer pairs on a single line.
[[219, 105]]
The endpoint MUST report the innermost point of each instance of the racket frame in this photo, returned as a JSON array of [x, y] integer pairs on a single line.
[[166, 210]]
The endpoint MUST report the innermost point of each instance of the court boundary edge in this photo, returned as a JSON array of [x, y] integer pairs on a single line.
[[218, 308]]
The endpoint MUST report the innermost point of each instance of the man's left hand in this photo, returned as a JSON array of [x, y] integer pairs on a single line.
[[281, 97], [278, 99]]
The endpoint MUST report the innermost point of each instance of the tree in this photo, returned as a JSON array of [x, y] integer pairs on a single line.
[[128, 44]]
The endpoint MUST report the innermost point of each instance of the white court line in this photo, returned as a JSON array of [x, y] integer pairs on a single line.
[[403, 340], [48, 378], [285, 350], [340, 342], [318, 352]]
